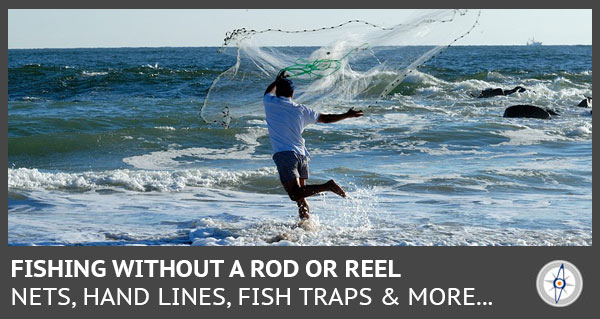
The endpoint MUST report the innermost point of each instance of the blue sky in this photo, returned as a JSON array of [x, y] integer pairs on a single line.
[[152, 28]]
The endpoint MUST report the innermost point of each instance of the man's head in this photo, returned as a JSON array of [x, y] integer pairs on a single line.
[[284, 87]]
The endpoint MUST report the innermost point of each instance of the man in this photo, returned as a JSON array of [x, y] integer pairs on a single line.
[[286, 121]]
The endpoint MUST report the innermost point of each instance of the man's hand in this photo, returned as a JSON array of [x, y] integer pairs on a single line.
[[353, 113], [282, 75]]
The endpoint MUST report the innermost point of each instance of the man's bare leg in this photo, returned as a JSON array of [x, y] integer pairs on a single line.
[[298, 191], [303, 208]]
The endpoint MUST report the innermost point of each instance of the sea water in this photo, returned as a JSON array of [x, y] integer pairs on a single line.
[[106, 147]]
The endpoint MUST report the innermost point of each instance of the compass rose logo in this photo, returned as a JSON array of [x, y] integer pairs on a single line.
[[559, 283]]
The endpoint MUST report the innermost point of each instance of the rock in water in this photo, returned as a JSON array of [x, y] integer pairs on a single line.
[[490, 92], [529, 111], [587, 102]]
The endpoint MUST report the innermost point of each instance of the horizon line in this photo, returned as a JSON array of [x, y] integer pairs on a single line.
[[219, 46]]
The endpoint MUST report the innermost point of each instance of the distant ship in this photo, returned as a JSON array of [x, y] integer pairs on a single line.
[[532, 42]]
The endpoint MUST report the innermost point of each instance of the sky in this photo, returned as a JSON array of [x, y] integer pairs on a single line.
[[202, 27]]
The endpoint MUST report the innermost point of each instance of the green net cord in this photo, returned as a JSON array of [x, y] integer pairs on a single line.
[[320, 67]]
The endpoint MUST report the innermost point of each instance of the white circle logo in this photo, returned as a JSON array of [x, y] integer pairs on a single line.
[[559, 283]]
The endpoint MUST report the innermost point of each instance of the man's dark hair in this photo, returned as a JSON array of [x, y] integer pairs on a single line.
[[284, 87]]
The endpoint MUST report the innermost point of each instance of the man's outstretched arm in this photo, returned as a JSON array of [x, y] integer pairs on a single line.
[[332, 118]]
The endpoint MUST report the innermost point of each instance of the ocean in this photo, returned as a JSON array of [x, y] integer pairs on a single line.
[[107, 147]]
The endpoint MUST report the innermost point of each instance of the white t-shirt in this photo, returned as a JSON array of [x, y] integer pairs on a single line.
[[286, 121]]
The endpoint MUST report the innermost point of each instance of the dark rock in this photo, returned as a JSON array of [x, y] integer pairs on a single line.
[[587, 102], [498, 91], [491, 92], [529, 111]]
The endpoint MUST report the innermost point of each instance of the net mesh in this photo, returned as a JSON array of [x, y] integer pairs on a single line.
[[353, 62]]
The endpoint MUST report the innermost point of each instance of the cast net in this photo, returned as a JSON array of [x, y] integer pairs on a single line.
[[353, 62]]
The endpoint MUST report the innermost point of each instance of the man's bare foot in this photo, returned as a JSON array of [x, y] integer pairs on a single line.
[[334, 187], [303, 209], [304, 216]]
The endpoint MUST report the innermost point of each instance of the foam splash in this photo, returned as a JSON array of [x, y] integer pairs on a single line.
[[224, 218], [428, 234], [355, 211], [331, 218]]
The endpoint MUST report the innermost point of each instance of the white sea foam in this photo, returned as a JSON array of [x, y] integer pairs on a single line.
[[498, 77], [204, 216], [165, 128], [90, 73], [444, 151], [161, 160], [150, 66], [30, 98], [330, 232], [582, 129], [137, 180], [424, 78], [527, 136]]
